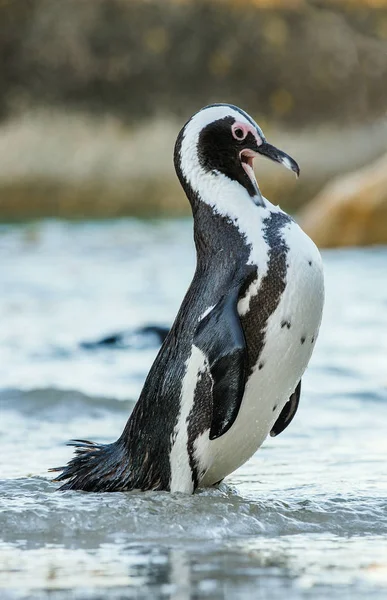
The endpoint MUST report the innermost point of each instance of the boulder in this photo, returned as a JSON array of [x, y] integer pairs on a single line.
[[351, 210]]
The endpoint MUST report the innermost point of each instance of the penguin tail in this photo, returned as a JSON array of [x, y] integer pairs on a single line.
[[95, 468]]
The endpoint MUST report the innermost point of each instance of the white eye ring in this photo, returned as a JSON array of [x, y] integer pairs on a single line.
[[239, 133]]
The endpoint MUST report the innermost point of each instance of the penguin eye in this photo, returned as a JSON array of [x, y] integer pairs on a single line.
[[239, 133]]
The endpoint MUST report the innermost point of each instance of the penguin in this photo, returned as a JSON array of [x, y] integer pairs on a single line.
[[229, 371]]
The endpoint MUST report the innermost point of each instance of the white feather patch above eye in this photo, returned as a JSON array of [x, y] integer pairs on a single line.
[[208, 185], [210, 115], [226, 197]]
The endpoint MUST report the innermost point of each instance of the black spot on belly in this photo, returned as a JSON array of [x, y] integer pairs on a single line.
[[273, 284], [303, 339], [310, 263], [274, 407], [312, 340], [261, 365], [286, 324]]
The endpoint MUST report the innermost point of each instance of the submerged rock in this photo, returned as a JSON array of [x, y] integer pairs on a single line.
[[147, 336], [351, 210]]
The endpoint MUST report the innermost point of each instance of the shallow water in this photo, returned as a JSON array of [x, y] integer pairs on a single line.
[[306, 517]]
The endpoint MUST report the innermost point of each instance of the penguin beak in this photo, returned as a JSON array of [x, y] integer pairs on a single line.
[[278, 156], [247, 157]]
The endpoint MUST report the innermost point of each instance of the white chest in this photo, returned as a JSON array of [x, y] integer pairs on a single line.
[[290, 335]]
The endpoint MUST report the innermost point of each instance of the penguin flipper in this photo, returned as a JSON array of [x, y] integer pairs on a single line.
[[220, 337], [288, 412]]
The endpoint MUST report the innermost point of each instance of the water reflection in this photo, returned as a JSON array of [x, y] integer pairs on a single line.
[[258, 567]]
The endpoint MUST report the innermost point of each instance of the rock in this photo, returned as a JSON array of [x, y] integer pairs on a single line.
[[351, 210], [147, 336]]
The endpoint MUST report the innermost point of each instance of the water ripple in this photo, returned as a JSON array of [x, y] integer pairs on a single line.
[[31, 510]]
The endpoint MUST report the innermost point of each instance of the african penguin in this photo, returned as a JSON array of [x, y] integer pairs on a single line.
[[229, 371]]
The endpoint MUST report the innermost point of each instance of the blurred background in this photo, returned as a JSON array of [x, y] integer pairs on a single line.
[[92, 94], [96, 254]]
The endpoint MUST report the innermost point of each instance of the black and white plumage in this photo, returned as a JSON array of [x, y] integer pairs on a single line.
[[229, 371]]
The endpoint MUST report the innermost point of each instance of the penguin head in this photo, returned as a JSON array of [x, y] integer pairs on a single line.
[[221, 139]]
